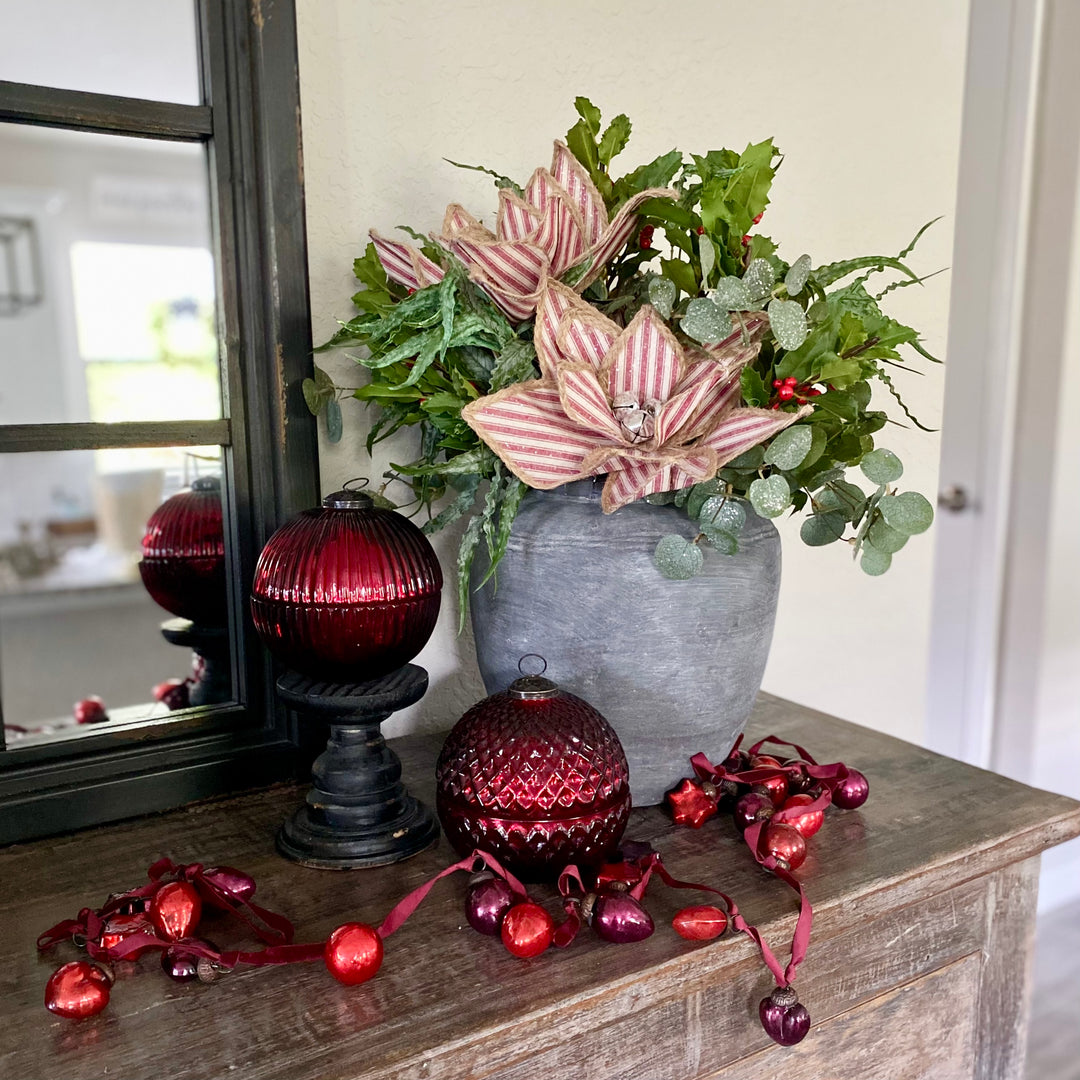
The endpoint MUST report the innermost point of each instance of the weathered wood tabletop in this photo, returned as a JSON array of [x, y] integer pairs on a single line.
[[924, 903]]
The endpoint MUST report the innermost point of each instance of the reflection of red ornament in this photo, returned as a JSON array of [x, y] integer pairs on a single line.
[[807, 824], [183, 554], [700, 923], [173, 693], [175, 910], [77, 990], [347, 592], [535, 777], [353, 953], [90, 710], [527, 930]]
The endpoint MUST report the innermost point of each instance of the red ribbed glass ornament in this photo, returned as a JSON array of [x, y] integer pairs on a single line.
[[347, 592], [536, 777], [183, 554]]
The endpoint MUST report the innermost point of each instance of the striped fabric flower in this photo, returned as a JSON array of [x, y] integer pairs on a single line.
[[560, 223], [632, 403]]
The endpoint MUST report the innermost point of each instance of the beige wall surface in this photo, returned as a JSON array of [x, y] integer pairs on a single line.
[[863, 97]]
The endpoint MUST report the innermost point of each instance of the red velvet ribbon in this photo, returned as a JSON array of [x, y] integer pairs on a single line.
[[568, 930], [404, 908]]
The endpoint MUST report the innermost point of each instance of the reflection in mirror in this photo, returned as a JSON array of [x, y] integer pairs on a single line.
[[112, 589], [115, 317]]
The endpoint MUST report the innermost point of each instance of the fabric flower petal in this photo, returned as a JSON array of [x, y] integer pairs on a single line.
[[700, 390], [526, 426], [584, 335], [618, 232], [636, 479], [405, 264], [555, 301], [743, 428], [510, 272], [740, 348], [584, 401], [576, 182], [516, 220], [559, 230], [646, 360]]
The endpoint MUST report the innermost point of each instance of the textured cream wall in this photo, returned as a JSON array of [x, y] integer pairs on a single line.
[[863, 96]]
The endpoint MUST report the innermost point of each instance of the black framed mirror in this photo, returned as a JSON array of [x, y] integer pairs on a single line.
[[151, 358]]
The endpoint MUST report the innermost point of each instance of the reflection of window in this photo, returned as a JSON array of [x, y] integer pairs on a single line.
[[145, 321]]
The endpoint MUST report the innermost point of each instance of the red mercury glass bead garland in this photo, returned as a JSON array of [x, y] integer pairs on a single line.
[[164, 913]]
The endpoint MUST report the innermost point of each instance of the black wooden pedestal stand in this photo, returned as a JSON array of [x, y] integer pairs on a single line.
[[358, 813], [211, 643]]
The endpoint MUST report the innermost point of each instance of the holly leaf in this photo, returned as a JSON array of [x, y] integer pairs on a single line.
[[370, 271], [657, 173], [589, 114], [615, 138], [753, 388], [682, 273]]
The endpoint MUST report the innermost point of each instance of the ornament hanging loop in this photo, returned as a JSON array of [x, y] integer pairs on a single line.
[[532, 656]]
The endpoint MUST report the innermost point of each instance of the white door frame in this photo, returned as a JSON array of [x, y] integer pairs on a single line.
[[1016, 205]]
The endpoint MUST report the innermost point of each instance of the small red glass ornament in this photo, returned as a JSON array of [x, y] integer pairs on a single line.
[[90, 710], [173, 693], [347, 592], [183, 554], [852, 791], [77, 990], [703, 922], [237, 884], [785, 1021], [691, 804], [536, 777], [354, 953], [806, 824], [774, 786], [175, 910], [527, 930], [784, 843], [118, 927], [751, 807], [488, 899]]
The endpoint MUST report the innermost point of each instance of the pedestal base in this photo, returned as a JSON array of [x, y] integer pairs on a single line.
[[211, 643], [358, 813]]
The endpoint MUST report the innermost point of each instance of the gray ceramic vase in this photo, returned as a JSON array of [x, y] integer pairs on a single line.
[[675, 666]]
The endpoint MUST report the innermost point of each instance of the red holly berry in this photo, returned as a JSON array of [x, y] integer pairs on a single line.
[[814, 392], [746, 240], [775, 405], [701, 230], [645, 236], [791, 381], [778, 382], [785, 393], [759, 217], [90, 710]]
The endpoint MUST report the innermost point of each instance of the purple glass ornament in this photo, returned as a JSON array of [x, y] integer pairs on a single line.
[[799, 781], [618, 917], [852, 791], [487, 901], [347, 592], [183, 554], [232, 881], [785, 1021], [751, 807], [178, 965]]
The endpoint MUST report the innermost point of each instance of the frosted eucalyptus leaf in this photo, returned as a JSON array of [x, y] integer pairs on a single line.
[[788, 322], [662, 294], [884, 538], [705, 322], [333, 421], [770, 496], [722, 512], [707, 255], [724, 542], [821, 529], [882, 467], [753, 458], [759, 278], [789, 449], [874, 562], [699, 493], [662, 498], [678, 558], [731, 295], [909, 513], [797, 275]]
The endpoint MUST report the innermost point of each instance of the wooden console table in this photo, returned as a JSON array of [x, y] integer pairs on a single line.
[[919, 964]]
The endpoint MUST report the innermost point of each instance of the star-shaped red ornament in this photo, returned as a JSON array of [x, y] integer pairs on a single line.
[[690, 805], [627, 873]]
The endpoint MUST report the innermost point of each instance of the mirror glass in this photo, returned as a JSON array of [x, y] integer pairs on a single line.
[[112, 589], [107, 294], [134, 48]]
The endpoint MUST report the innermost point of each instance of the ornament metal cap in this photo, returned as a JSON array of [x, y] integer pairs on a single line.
[[206, 483], [349, 498], [533, 687]]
